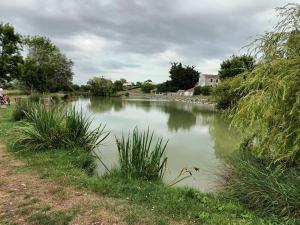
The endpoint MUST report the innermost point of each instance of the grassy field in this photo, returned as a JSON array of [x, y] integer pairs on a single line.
[[131, 201]]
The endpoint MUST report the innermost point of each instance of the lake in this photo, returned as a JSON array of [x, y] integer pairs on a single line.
[[198, 135]]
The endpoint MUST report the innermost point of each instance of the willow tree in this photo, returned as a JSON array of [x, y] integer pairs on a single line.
[[270, 108]]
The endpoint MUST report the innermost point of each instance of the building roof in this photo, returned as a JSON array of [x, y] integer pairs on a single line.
[[210, 76]]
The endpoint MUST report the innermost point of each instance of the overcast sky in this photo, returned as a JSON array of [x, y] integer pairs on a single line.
[[137, 39]]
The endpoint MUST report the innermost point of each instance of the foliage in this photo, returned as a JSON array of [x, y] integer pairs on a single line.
[[49, 128], [99, 86], [20, 110], [147, 87], [166, 87], [263, 188], [270, 109], [10, 56], [158, 203], [183, 77], [139, 159], [118, 85], [79, 133], [236, 65], [45, 67], [228, 93], [205, 90]]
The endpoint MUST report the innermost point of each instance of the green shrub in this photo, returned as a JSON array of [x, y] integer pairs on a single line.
[[20, 109], [229, 92], [139, 158], [205, 90], [147, 88], [126, 94]]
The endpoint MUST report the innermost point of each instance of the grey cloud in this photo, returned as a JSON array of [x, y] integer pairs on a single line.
[[197, 30]]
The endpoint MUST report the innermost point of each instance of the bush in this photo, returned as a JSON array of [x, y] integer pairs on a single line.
[[205, 90], [229, 92], [100, 86], [139, 158], [147, 88], [126, 94]]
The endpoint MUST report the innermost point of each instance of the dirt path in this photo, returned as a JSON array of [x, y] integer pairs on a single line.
[[27, 199]]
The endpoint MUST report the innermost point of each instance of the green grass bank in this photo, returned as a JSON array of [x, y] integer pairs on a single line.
[[156, 201]]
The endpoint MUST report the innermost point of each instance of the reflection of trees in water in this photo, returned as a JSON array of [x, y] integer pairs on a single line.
[[106, 104], [181, 116], [225, 140]]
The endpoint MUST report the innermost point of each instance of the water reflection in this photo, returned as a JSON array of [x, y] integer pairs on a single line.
[[198, 135]]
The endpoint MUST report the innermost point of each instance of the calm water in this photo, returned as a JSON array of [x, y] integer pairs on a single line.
[[198, 136]]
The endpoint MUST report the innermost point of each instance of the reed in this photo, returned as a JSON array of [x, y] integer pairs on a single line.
[[140, 158], [49, 128], [44, 129], [79, 132]]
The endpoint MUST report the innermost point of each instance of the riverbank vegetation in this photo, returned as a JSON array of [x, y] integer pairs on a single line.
[[262, 100], [158, 203], [139, 158], [265, 174]]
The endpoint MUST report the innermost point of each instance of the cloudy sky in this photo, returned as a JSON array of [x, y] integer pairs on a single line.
[[137, 39]]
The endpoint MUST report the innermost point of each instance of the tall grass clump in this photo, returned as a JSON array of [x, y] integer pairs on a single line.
[[79, 132], [44, 129], [139, 157], [49, 128], [264, 188], [20, 110]]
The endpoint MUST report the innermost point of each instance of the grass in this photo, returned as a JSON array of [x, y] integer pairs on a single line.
[[57, 218], [50, 128], [149, 202], [20, 110], [265, 188], [139, 158]]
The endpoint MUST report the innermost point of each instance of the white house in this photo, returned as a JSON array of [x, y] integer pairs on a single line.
[[189, 92], [208, 80]]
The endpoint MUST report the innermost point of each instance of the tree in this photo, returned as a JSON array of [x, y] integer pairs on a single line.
[[270, 108], [99, 86], [123, 80], [147, 87], [10, 57], [236, 65], [183, 77], [166, 87], [45, 67], [118, 85]]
